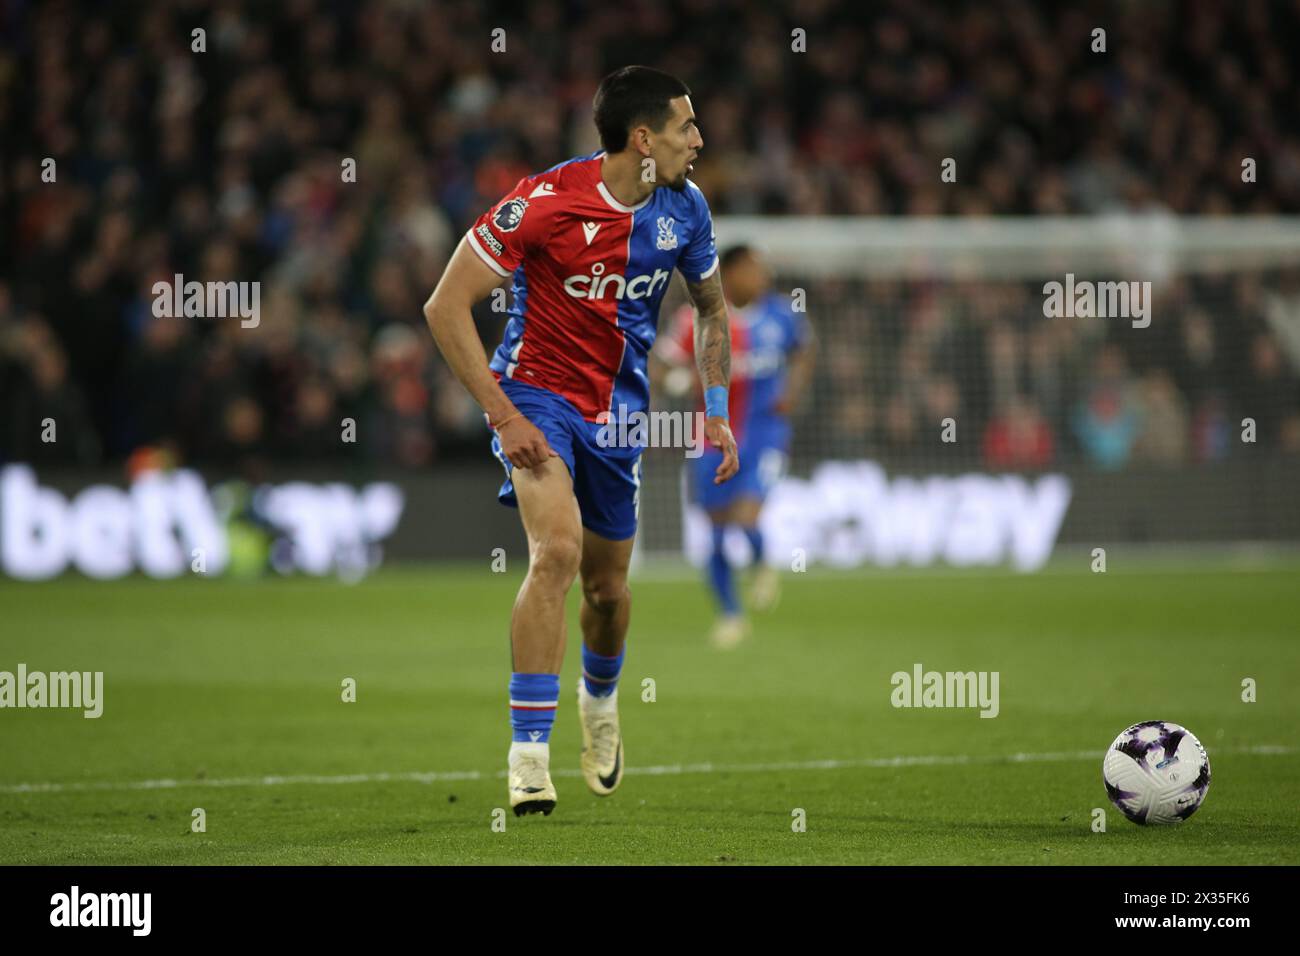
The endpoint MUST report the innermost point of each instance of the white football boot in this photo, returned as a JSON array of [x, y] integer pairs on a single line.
[[602, 742], [531, 790], [730, 630]]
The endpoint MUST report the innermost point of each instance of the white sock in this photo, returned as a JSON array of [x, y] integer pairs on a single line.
[[538, 751], [599, 704]]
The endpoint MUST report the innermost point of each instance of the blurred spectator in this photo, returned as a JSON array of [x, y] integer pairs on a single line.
[[1108, 419], [1269, 391], [1018, 438], [402, 423], [1164, 437], [1212, 432], [1290, 441], [45, 412]]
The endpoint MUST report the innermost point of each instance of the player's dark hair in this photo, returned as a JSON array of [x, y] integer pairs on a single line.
[[732, 253], [632, 95]]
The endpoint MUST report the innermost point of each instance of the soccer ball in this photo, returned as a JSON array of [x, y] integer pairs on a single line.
[[1156, 772]]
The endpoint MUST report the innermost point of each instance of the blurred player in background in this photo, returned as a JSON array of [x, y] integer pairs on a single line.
[[772, 357], [589, 246]]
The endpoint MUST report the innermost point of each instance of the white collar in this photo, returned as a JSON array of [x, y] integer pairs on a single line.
[[606, 195]]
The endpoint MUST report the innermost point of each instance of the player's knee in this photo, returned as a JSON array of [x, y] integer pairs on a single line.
[[604, 595], [555, 557]]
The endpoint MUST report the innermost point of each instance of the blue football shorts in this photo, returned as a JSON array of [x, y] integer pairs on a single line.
[[762, 464], [606, 480]]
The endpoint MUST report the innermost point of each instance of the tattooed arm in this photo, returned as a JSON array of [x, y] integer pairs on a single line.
[[713, 359], [712, 333]]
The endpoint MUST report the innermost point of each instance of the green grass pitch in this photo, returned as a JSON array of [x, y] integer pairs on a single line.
[[213, 686]]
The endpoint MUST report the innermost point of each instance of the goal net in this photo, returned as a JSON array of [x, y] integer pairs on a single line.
[[991, 391]]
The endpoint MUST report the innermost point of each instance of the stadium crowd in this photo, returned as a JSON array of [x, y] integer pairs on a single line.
[[229, 164], [1027, 392]]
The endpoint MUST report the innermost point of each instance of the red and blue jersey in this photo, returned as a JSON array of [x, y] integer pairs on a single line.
[[763, 336], [588, 275]]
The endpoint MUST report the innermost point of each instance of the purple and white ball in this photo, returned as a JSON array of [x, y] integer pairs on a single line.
[[1156, 773]]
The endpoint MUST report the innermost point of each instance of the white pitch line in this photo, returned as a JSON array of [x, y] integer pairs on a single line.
[[666, 770]]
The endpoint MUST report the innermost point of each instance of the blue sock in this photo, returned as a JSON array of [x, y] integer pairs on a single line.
[[755, 542], [720, 580], [600, 673], [533, 699]]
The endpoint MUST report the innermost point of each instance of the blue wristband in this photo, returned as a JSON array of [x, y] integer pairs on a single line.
[[715, 401]]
